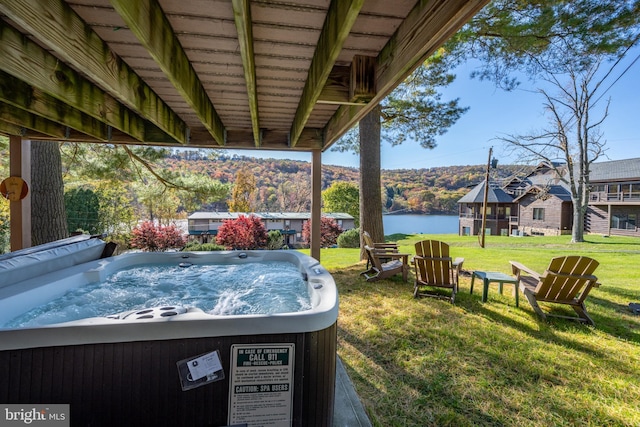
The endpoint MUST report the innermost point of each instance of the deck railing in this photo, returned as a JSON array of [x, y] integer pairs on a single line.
[[491, 217], [622, 196]]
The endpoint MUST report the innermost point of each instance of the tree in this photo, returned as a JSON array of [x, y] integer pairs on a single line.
[[370, 184], [294, 195], [48, 218], [82, 206], [566, 44], [163, 192], [343, 197], [116, 215], [156, 201], [245, 232], [573, 137], [329, 232], [243, 192], [196, 190], [413, 110]]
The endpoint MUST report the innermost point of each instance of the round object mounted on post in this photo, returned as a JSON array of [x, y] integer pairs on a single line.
[[14, 188]]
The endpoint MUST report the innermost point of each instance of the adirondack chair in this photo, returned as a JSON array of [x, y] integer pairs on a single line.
[[384, 263], [567, 280], [368, 241], [435, 268]]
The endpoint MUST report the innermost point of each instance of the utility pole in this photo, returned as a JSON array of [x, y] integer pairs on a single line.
[[484, 204]]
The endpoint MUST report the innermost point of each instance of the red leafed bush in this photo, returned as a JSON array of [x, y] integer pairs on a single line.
[[329, 232], [245, 232], [156, 238]]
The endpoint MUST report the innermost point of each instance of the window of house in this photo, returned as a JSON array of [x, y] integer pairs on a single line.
[[624, 222], [538, 214], [615, 221]]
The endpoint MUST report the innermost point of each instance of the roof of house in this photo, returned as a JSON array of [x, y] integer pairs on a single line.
[[558, 191], [615, 170], [495, 195]]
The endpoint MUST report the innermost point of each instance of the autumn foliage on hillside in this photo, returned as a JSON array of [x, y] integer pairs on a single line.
[[285, 185], [245, 232]]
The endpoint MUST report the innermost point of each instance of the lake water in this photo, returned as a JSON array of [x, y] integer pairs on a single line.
[[420, 224]]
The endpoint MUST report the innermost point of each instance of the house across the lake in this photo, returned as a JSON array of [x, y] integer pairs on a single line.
[[203, 226], [540, 203]]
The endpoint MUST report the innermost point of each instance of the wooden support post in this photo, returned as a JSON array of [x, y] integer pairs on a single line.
[[20, 211], [316, 202], [362, 87]]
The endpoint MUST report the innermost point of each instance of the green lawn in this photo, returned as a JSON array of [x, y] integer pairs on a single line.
[[429, 363]]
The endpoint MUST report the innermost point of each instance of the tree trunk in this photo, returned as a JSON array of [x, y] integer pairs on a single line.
[[577, 231], [48, 217], [370, 183]]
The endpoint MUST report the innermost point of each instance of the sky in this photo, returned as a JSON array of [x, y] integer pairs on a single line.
[[493, 113]]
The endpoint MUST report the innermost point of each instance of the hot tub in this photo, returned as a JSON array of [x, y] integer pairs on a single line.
[[129, 370]]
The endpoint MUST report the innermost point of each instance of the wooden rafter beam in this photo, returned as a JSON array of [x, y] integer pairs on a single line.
[[242, 17], [148, 22], [41, 70], [20, 95], [340, 18], [54, 23], [426, 28], [31, 134], [23, 118], [11, 129], [77, 125]]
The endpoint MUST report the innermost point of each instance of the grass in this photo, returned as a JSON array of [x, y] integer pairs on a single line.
[[426, 362]]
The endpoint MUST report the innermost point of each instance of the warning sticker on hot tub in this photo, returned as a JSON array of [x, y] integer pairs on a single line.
[[261, 385]]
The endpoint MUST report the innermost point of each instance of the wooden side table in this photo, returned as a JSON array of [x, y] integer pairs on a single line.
[[494, 276]]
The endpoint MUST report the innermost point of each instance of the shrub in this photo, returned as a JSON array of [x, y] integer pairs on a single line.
[[207, 247], [245, 232], [155, 238], [329, 232], [349, 239], [275, 240]]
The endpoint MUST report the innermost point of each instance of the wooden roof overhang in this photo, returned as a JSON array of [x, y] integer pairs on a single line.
[[254, 74]]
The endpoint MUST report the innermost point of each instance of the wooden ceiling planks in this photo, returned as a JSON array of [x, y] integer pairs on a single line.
[[275, 76]]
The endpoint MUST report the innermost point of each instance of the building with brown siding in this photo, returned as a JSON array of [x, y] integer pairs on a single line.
[[540, 203], [499, 214], [614, 200]]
